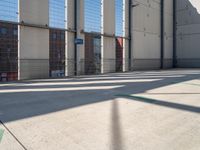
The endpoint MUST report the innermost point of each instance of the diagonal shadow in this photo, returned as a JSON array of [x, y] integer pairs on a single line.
[[171, 93], [16, 106], [183, 107]]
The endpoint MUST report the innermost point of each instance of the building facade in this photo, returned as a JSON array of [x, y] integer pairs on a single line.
[[60, 38]]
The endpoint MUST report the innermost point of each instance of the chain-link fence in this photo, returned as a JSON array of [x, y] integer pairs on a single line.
[[57, 53], [8, 51]]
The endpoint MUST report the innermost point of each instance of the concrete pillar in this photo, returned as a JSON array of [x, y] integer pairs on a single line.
[[108, 42], [80, 48], [73, 67], [168, 34], [70, 36], [125, 34], [33, 41]]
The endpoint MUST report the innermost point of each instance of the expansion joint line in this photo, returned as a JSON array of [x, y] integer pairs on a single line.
[[10, 132]]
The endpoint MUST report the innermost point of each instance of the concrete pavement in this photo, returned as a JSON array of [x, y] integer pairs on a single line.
[[122, 111]]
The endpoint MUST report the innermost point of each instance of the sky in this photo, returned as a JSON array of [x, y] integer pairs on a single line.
[[196, 4], [8, 10], [92, 10]]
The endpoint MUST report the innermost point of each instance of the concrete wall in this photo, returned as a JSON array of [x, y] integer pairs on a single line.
[[188, 33], [33, 42], [146, 34], [108, 43]]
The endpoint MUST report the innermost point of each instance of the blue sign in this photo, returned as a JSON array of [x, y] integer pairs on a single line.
[[79, 41]]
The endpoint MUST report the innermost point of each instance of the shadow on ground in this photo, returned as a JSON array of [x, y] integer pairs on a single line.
[[48, 96]]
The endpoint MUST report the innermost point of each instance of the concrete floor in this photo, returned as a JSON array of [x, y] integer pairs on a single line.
[[155, 110]]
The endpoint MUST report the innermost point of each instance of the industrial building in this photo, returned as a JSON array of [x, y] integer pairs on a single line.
[[58, 38], [99, 74]]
